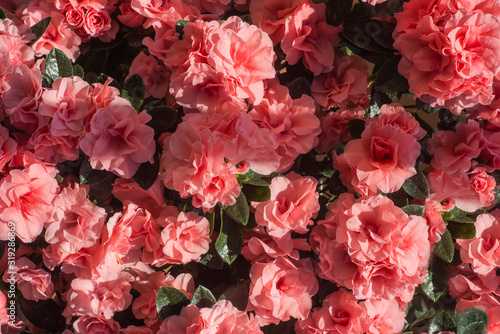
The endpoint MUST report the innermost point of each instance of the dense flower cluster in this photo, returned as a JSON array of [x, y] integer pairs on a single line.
[[249, 166]]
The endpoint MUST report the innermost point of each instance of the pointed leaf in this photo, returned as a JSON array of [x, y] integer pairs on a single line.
[[413, 209], [239, 211], [417, 186], [78, 71], [39, 29], [434, 285], [202, 297], [57, 65], [170, 301], [472, 321], [445, 248], [147, 174], [162, 119], [237, 295], [443, 321], [378, 99], [2, 14], [134, 91], [389, 79], [229, 241], [462, 231], [257, 193], [356, 127]]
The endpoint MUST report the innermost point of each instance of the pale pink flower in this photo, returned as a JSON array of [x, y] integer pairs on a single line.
[[14, 43], [75, 222], [129, 16], [103, 94], [339, 314], [384, 316], [89, 324], [34, 284], [8, 147], [293, 203], [309, 37], [344, 85], [164, 11], [270, 16], [382, 159], [281, 289], [119, 140], [155, 76], [26, 199], [395, 115]]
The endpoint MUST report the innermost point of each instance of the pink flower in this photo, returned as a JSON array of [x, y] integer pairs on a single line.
[[35, 284], [382, 159], [334, 128], [372, 247], [217, 7], [193, 164], [395, 115], [52, 148], [129, 16], [270, 16], [155, 77], [437, 225], [281, 289], [119, 140], [384, 316], [453, 151], [104, 94], [98, 23], [293, 203], [344, 85], [12, 41], [483, 252], [98, 297], [308, 37], [223, 317], [76, 222], [165, 11], [129, 190], [248, 64], [293, 122], [8, 147], [441, 60], [489, 303], [26, 199], [70, 106], [95, 324], [340, 314], [185, 236]]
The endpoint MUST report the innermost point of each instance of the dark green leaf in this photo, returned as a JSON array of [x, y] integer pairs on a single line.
[[455, 212], [443, 321], [418, 312], [78, 71], [179, 27], [46, 80], [202, 297], [237, 295], [356, 127], [170, 301], [255, 179], [399, 198], [445, 248], [472, 321], [147, 173], [162, 119], [211, 259], [378, 99], [434, 285], [361, 33], [389, 79], [461, 219], [328, 171], [257, 193], [89, 175], [57, 65], [426, 107], [299, 86], [134, 91], [413, 209], [211, 218], [417, 186], [229, 241], [2, 14], [239, 211], [462, 231], [39, 29], [337, 11]]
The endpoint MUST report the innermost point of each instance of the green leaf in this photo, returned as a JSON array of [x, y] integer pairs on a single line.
[[78, 71], [237, 295], [239, 211], [443, 321], [134, 91], [255, 179], [211, 219], [362, 34], [147, 173], [413, 209], [389, 79], [472, 321], [202, 297], [417, 186], [2, 14], [434, 285], [57, 65], [162, 119], [257, 193], [337, 11], [356, 128], [229, 241], [461, 219], [445, 248], [399, 198], [170, 301], [39, 29], [378, 99], [426, 107], [418, 312], [211, 259], [462, 231]]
